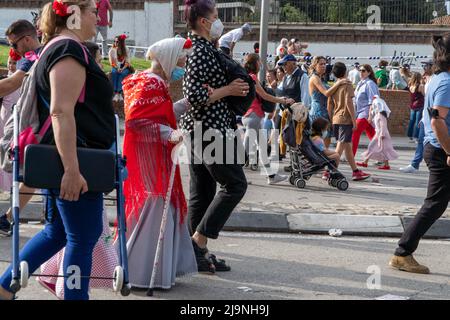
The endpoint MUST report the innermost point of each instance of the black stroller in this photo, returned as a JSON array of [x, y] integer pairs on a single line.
[[306, 159]]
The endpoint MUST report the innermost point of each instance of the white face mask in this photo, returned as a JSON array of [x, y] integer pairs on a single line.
[[216, 29]]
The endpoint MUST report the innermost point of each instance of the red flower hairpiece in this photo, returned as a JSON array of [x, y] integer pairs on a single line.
[[123, 37], [188, 44], [60, 8], [14, 55]]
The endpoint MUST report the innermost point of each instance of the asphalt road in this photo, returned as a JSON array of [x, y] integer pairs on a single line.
[[267, 266]]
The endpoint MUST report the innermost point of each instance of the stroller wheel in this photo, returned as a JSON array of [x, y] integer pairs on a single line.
[[333, 183], [342, 185], [292, 180], [14, 286], [24, 274], [254, 167], [300, 183], [126, 290], [118, 279]]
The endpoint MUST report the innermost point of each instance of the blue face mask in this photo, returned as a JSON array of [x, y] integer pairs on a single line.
[[177, 73]]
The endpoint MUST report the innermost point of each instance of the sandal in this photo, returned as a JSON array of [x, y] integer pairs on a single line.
[[219, 263], [204, 262]]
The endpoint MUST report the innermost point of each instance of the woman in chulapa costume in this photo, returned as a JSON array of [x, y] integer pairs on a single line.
[[150, 138]]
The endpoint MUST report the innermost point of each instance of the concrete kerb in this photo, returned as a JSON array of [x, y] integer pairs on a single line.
[[307, 223]]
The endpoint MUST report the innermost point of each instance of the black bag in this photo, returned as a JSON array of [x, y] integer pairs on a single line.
[[268, 106], [233, 70], [43, 168], [288, 133]]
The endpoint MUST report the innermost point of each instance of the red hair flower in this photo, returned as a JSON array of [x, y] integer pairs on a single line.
[[188, 44], [14, 55], [60, 8], [122, 37]]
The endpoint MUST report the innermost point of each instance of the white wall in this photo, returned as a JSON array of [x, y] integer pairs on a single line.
[[145, 27], [353, 50]]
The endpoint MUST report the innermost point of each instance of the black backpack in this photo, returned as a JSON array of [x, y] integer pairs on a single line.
[[233, 70]]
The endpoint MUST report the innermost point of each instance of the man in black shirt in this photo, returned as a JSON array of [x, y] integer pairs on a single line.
[[291, 87], [291, 82]]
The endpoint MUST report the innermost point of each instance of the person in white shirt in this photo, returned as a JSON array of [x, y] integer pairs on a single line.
[[353, 75], [283, 44], [228, 41], [396, 81]]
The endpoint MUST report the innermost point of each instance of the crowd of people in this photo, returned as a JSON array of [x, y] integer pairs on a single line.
[[79, 108]]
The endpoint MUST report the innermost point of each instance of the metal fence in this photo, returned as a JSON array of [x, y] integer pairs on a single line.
[[333, 11]]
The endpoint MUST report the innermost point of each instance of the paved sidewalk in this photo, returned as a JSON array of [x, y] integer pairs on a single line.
[[381, 206]]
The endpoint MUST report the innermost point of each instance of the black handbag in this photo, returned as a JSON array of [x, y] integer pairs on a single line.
[[268, 106], [43, 168], [233, 70]]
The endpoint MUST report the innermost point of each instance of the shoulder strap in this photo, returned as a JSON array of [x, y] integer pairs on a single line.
[[82, 96]]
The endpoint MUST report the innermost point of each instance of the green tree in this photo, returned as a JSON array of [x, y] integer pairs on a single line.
[[292, 14]]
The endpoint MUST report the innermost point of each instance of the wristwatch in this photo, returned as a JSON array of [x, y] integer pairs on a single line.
[[434, 113]]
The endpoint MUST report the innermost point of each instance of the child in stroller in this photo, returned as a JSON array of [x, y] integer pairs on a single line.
[[306, 157]]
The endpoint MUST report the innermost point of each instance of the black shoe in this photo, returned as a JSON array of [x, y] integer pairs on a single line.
[[5, 226], [287, 169], [204, 262], [219, 263]]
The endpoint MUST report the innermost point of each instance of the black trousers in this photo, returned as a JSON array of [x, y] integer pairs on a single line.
[[435, 203], [207, 211]]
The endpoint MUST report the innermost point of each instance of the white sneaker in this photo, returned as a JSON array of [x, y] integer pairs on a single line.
[[276, 179], [409, 169]]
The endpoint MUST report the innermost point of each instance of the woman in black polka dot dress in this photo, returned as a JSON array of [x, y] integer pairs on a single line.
[[205, 87]]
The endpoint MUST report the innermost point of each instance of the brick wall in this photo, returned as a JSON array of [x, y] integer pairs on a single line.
[[176, 90], [345, 33], [398, 101]]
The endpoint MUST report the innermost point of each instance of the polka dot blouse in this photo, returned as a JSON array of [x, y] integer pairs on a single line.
[[202, 69]]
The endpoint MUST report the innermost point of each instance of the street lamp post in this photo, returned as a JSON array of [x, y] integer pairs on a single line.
[[263, 37]]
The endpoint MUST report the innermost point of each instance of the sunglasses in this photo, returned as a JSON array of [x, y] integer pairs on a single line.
[[14, 44], [362, 70]]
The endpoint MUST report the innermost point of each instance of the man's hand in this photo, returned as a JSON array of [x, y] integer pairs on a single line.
[[110, 24], [290, 101]]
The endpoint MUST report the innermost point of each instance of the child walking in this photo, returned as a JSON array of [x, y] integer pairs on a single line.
[[380, 148]]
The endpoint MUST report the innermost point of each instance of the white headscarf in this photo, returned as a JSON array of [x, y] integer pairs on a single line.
[[379, 105], [167, 52]]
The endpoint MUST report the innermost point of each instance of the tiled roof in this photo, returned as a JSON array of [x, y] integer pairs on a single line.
[[445, 20]]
